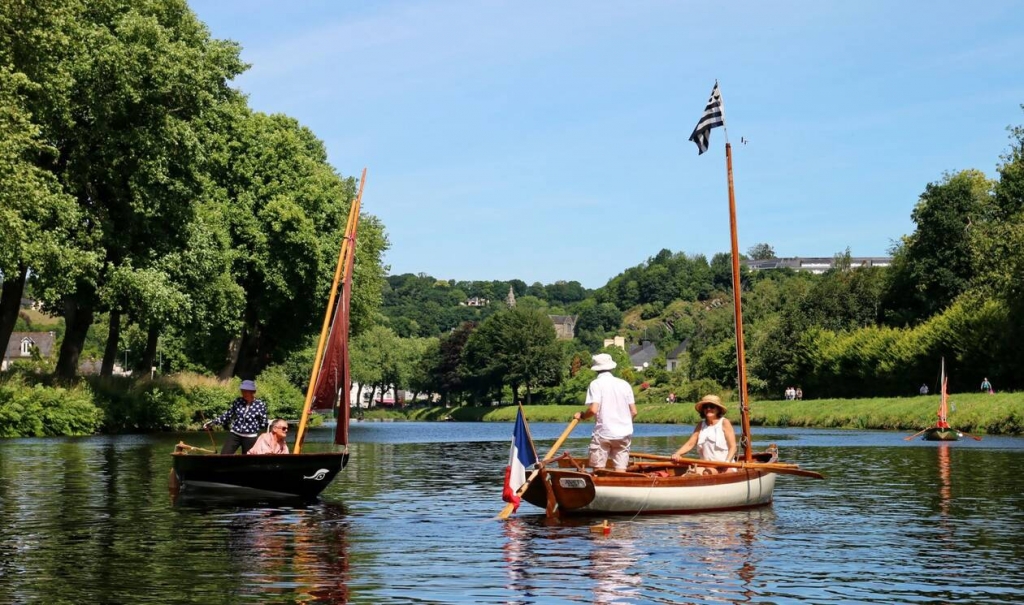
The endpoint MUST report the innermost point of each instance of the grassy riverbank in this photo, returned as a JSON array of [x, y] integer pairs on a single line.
[[999, 414]]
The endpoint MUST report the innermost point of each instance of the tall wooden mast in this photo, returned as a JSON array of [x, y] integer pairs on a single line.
[[741, 364], [346, 250]]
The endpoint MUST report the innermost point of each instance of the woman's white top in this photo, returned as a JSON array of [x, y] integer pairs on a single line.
[[711, 442]]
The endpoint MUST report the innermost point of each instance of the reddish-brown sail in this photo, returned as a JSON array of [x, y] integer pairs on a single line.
[[330, 381], [334, 381]]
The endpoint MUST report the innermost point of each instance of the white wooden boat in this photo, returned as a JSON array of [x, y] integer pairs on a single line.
[[566, 487], [651, 488]]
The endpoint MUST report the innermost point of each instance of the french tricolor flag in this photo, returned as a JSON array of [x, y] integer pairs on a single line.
[[521, 457]]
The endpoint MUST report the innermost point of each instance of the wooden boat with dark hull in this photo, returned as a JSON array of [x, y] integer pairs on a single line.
[[271, 475], [942, 434], [302, 475]]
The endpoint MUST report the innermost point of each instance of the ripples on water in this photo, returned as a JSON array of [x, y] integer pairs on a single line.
[[411, 520]]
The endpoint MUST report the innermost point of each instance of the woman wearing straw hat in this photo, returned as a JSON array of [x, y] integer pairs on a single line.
[[714, 436]]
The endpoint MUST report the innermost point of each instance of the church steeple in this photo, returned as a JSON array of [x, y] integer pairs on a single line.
[[510, 300]]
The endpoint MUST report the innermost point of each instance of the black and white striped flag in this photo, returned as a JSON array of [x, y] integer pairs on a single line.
[[714, 116]]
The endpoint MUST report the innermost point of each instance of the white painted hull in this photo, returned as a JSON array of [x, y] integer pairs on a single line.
[[755, 491], [582, 493]]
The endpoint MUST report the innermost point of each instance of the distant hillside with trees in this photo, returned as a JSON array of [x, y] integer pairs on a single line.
[[953, 291]]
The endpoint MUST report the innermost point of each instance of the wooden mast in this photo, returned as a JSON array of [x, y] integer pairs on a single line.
[[346, 244], [741, 364]]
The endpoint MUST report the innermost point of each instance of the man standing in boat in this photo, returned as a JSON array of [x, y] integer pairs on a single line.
[[247, 416], [611, 401]]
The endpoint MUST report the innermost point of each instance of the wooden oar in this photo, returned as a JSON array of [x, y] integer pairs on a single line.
[[689, 460], [774, 467], [505, 512], [184, 446], [208, 431], [915, 435], [975, 437]]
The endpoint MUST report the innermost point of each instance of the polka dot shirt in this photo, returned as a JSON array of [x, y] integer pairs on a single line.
[[246, 419]]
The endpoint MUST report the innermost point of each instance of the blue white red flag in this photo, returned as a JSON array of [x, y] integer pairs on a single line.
[[521, 457]]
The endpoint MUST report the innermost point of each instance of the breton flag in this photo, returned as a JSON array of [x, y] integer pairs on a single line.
[[714, 116], [521, 457]]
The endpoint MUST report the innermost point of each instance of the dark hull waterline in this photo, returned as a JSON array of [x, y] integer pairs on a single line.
[[937, 434], [270, 475]]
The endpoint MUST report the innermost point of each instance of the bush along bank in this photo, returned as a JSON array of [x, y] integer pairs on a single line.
[[33, 406]]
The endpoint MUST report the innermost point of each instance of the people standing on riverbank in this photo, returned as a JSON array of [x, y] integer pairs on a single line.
[[611, 401], [923, 390], [986, 386], [714, 436], [274, 440], [245, 419]]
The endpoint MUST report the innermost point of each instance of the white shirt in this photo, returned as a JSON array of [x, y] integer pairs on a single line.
[[711, 442], [614, 419]]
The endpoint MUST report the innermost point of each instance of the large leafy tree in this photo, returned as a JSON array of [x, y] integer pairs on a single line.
[[38, 221], [516, 347], [285, 209], [121, 86], [936, 263], [378, 359]]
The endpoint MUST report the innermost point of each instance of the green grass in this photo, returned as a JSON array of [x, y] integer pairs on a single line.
[[999, 414]]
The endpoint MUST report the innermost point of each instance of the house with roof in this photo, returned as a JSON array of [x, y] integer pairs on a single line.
[[815, 264], [674, 357], [565, 326], [618, 341], [22, 345], [641, 356]]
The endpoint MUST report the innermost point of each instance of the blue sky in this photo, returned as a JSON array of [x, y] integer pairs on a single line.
[[547, 141]]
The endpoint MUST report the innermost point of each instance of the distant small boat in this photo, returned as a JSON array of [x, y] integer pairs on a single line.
[[941, 431], [942, 434]]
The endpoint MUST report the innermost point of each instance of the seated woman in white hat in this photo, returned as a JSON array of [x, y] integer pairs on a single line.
[[714, 436]]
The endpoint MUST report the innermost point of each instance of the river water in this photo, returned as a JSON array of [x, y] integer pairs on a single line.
[[410, 520]]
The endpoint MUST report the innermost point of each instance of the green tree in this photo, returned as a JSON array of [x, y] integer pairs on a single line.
[[517, 348], [761, 251], [120, 87], [376, 359], [38, 221], [935, 264], [285, 208]]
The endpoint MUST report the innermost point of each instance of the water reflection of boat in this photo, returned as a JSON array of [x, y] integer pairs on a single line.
[[296, 474], [292, 554], [945, 483]]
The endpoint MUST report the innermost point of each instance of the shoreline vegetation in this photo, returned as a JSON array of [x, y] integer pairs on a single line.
[[974, 413], [33, 406]]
